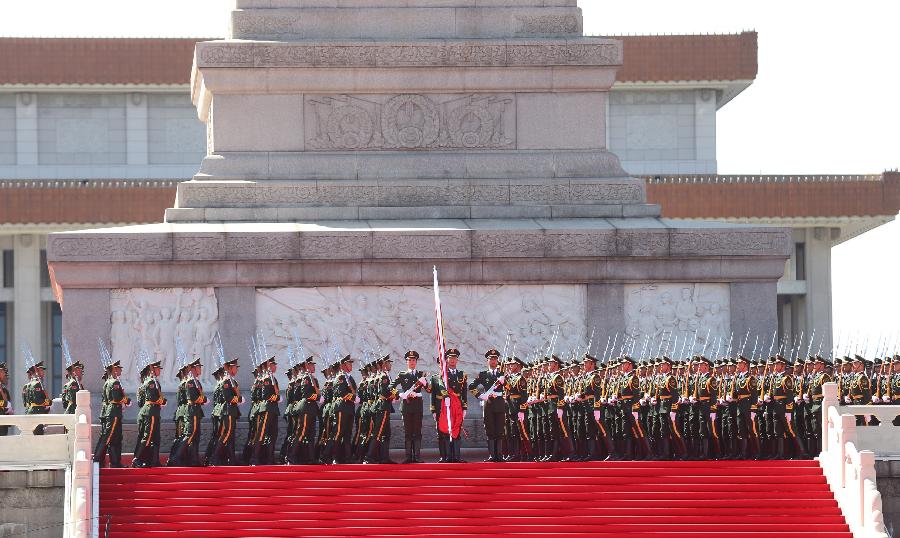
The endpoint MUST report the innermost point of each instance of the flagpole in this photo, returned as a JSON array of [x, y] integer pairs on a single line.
[[442, 350]]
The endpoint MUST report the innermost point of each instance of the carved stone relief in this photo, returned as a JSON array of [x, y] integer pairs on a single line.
[[547, 24], [671, 314], [151, 319], [409, 122], [394, 319]]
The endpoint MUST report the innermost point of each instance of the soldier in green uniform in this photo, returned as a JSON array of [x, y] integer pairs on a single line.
[[345, 399], [267, 415], [363, 419], [488, 387], [409, 384], [151, 400], [307, 395], [859, 387], [217, 399], [255, 405], [813, 398], [188, 452], [180, 407], [740, 395], [6, 407], [778, 396], [383, 394], [457, 384], [663, 393], [227, 412], [515, 392], [703, 393], [292, 400], [74, 372], [325, 441], [34, 395], [114, 398]]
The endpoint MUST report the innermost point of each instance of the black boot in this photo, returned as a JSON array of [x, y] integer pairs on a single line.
[[456, 445], [417, 447], [741, 449], [444, 451], [662, 449], [408, 450], [779, 449], [628, 449], [115, 457], [385, 455]]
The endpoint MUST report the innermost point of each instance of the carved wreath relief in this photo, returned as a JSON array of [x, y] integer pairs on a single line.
[[394, 319], [408, 122], [152, 319], [671, 314]]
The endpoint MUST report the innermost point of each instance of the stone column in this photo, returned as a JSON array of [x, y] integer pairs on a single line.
[[705, 131], [237, 323], [136, 133], [818, 285], [753, 307], [26, 308], [26, 129], [85, 318]]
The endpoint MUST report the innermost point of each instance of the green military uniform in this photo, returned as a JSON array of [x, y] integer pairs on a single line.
[[515, 392], [113, 399], [488, 386], [70, 389], [306, 395], [188, 451], [813, 397], [325, 441], [382, 394], [227, 412], [5, 403], [457, 383], [409, 384], [664, 393], [345, 398], [35, 397], [150, 399], [266, 430]]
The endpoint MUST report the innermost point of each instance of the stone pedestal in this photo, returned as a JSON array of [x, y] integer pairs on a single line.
[[353, 145]]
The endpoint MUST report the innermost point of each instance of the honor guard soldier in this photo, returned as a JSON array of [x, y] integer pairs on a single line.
[[74, 372], [302, 450], [292, 400], [383, 395], [859, 387], [267, 415], [228, 413], [325, 441], [150, 400], [409, 384], [663, 394], [188, 452], [216, 401], [6, 407], [345, 399], [110, 440], [488, 387], [778, 397], [449, 443], [515, 391], [740, 395], [560, 443], [892, 397], [255, 405], [813, 398], [363, 419], [34, 395]]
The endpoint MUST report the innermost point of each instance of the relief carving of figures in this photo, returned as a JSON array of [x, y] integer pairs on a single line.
[[152, 319], [393, 319], [671, 314], [408, 122]]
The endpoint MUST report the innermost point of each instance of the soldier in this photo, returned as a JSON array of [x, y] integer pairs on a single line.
[[664, 393], [515, 392], [266, 430], [700, 420], [216, 423], [625, 401], [34, 395], [778, 398], [292, 402], [384, 393], [110, 440], [363, 419], [488, 387], [590, 392], [345, 399], [6, 407], [227, 412], [74, 372], [188, 451], [893, 391], [151, 400], [859, 387], [449, 442], [410, 383], [741, 396], [813, 399], [325, 441], [307, 413], [180, 410], [560, 439]]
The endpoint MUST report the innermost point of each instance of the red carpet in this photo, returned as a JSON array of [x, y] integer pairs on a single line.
[[634, 499]]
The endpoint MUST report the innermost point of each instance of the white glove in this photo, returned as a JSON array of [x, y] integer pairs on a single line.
[[806, 398], [464, 414], [643, 402], [501, 379], [612, 401], [531, 399], [712, 416], [646, 396], [128, 404], [729, 399], [653, 401], [10, 410], [241, 400], [521, 416], [752, 415], [693, 399], [847, 399], [484, 396], [720, 401], [165, 404], [423, 381], [796, 399], [635, 415], [672, 416], [767, 398], [559, 412], [356, 400], [320, 400], [876, 399], [597, 414]]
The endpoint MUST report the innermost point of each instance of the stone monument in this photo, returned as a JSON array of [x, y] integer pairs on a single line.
[[354, 144]]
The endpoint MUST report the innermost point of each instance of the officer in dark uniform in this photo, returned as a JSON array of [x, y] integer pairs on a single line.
[[409, 385], [450, 448], [345, 399], [180, 409], [114, 399], [488, 387], [6, 407], [150, 399], [227, 412], [740, 396], [216, 400]]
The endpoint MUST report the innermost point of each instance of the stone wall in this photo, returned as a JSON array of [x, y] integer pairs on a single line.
[[7, 129], [31, 503], [887, 477]]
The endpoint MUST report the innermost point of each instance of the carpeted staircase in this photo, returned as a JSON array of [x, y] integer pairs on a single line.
[[634, 499]]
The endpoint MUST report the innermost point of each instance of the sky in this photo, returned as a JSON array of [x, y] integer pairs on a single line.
[[825, 100]]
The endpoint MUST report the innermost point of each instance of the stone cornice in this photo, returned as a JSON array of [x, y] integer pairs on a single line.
[[422, 53]]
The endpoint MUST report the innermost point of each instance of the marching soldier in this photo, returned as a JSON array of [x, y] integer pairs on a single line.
[[37, 401], [345, 399], [188, 452], [590, 392], [325, 441], [180, 410], [363, 419], [411, 382], [267, 415], [6, 407], [227, 412], [307, 413], [292, 402], [515, 392], [383, 394], [74, 372], [627, 394], [150, 400], [778, 398], [110, 440], [813, 399], [701, 426], [491, 383], [449, 442], [859, 387], [216, 423], [664, 393]]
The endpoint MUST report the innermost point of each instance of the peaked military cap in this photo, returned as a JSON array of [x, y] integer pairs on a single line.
[[347, 358], [452, 352], [411, 355], [589, 357], [3, 367], [232, 362], [491, 353]]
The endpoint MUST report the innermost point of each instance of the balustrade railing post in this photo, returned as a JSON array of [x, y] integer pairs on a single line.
[[82, 468]]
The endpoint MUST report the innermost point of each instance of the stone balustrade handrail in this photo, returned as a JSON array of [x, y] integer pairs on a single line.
[[762, 178], [89, 183], [850, 471]]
